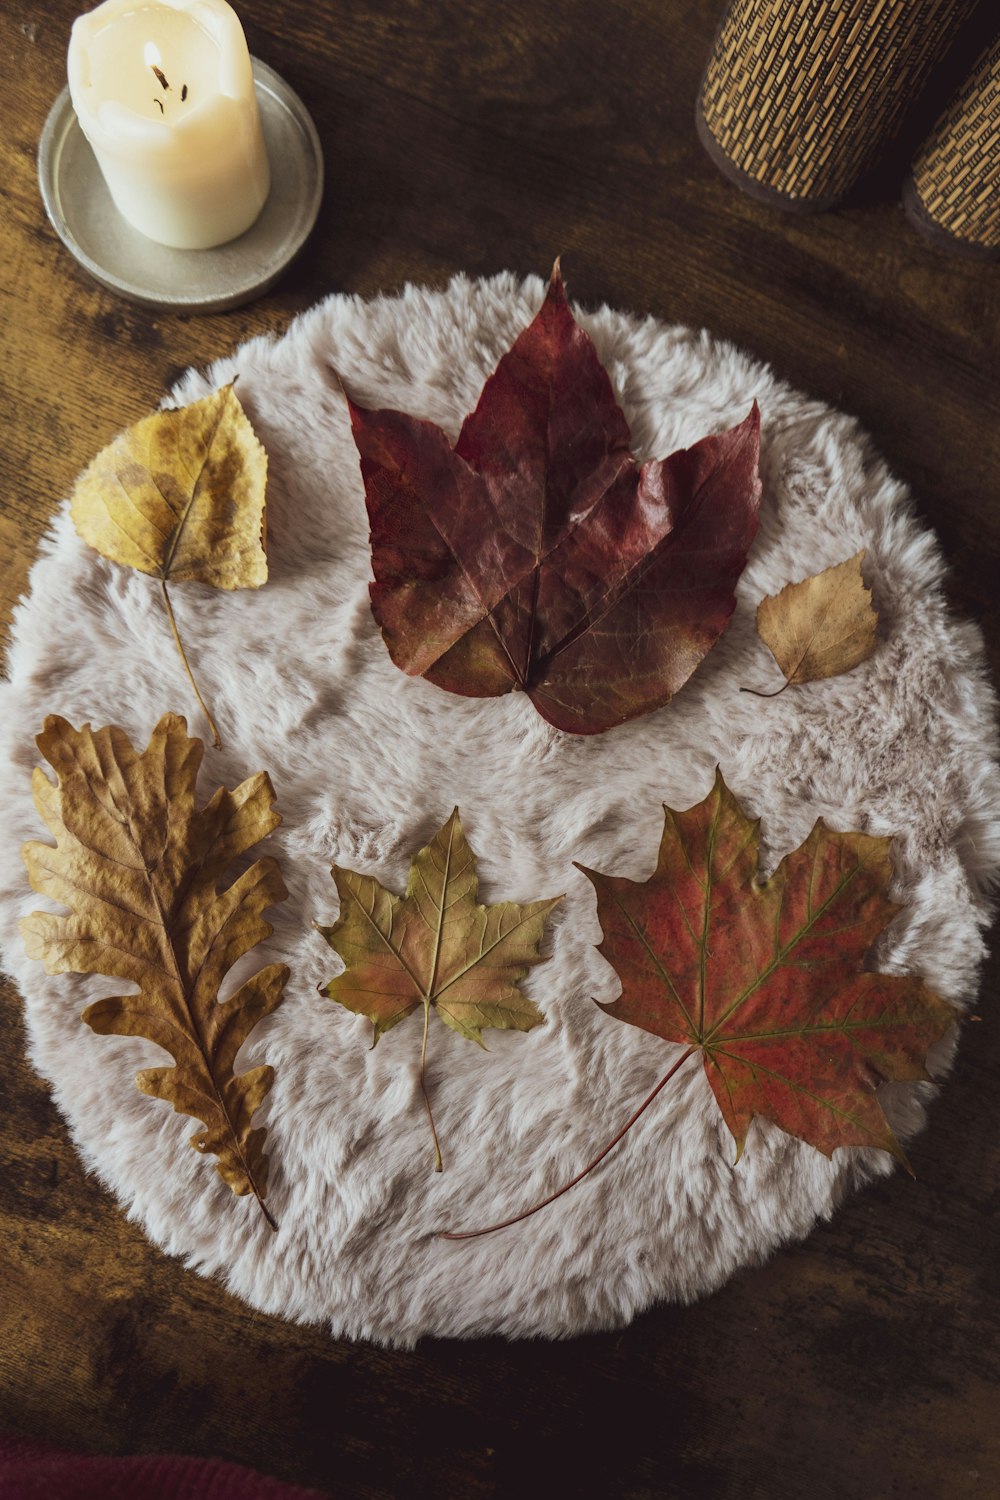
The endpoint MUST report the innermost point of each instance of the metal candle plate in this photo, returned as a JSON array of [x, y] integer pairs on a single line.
[[80, 207]]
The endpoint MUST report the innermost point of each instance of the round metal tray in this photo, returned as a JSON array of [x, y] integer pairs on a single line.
[[80, 207]]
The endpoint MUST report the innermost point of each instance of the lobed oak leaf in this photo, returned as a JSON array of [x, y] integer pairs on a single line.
[[139, 867], [435, 946], [536, 555], [820, 626], [180, 495], [766, 979]]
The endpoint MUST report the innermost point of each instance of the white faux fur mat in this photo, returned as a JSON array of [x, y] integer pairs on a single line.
[[368, 763]]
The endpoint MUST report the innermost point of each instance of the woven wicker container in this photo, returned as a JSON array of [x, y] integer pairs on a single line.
[[953, 191], [799, 94]]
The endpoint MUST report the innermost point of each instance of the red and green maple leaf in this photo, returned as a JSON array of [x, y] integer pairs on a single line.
[[537, 555], [767, 980]]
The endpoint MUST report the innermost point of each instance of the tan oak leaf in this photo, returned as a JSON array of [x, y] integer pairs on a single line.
[[141, 869]]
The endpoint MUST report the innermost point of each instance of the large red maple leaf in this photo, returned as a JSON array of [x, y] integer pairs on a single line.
[[767, 979], [537, 555]]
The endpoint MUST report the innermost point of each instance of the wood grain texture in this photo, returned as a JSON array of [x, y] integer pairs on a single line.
[[864, 1363]]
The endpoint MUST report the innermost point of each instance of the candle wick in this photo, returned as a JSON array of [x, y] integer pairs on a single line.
[[160, 75], [184, 92], [159, 102]]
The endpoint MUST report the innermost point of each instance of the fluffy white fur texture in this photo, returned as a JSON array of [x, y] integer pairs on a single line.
[[368, 762]]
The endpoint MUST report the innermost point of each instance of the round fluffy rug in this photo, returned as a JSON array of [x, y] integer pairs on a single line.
[[368, 763]]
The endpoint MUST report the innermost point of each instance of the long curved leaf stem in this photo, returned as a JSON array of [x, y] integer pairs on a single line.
[[204, 706], [472, 1234], [758, 694], [438, 1164]]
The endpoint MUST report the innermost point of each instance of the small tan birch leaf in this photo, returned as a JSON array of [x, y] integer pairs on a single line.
[[181, 496], [435, 946], [821, 626], [139, 866]]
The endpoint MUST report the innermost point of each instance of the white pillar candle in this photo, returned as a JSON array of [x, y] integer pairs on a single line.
[[164, 93]]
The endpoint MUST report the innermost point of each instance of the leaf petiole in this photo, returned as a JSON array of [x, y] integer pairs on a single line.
[[438, 1164], [758, 694], [183, 655], [472, 1234], [272, 1222]]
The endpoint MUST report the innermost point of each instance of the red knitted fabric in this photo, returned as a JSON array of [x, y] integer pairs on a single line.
[[29, 1471]]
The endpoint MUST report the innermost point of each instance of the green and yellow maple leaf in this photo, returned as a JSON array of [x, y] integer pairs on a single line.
[[435, 947]]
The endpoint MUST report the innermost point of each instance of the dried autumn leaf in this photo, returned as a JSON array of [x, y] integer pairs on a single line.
[[181, 496], [821, 626], [766, 979], [536, 555], [139, 866], [435, 946]]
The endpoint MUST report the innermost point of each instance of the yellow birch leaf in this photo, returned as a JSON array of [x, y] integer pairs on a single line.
[[821, 626], [181, 496], [139, 867], [435, 946]]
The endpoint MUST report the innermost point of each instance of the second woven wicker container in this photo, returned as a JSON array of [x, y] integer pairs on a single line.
[[799, 95], [952, 192]]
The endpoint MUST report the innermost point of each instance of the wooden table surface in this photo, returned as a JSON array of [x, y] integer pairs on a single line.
[[475, 136]]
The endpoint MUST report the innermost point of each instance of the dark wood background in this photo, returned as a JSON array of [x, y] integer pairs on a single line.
[[468, 135]]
